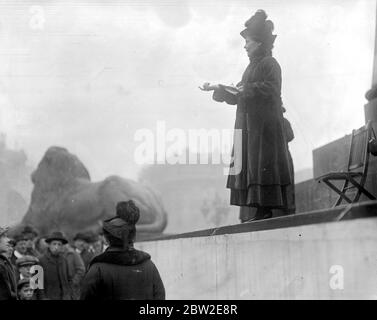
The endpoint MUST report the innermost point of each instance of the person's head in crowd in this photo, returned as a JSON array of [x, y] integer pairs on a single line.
[[41, 245], [30, 234], [55, 242], [21, 243], [67, 246], [81, 241], [12, 244], [25, 292], [120, 231], [24, 265], [5, 245], [105, 243], [97, 244]]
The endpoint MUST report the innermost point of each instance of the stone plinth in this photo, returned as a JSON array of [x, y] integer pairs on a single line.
[[291, 262]]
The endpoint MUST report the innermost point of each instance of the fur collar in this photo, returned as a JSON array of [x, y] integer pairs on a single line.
[[128, 257]]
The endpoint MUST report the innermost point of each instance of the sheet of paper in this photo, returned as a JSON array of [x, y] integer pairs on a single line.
[[230, 89]]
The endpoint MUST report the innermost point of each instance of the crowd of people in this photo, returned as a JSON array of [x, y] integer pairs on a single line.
[[261, 178], [90, 266]]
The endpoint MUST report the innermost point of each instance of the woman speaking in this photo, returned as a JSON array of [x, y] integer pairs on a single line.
[[259, 171]]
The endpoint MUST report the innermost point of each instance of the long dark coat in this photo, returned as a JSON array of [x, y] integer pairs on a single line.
[[291, 207], [8, 284], [260, 170], [76, 270], [122, 275], [57, 285]]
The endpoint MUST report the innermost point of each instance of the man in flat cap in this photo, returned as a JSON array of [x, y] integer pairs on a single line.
[[8, 284], [24, 265], [57, 285], [24, 275], [122, 272]]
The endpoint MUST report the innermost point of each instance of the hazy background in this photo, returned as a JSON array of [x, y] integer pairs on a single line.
[[86, 75]]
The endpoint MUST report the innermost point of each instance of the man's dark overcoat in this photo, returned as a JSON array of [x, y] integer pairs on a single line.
[[57, 283]]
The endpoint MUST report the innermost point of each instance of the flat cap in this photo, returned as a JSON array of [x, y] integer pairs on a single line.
[[27, 261]]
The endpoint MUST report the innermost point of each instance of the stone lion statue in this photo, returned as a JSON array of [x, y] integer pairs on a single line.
[[64, 197]]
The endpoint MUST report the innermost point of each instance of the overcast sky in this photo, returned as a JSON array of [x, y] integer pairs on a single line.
[[88, 76]]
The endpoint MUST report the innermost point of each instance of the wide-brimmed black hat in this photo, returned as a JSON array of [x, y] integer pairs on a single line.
[[57, 235], [259, 28]]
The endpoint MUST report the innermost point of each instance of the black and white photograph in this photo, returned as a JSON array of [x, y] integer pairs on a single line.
[[188, 150]]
